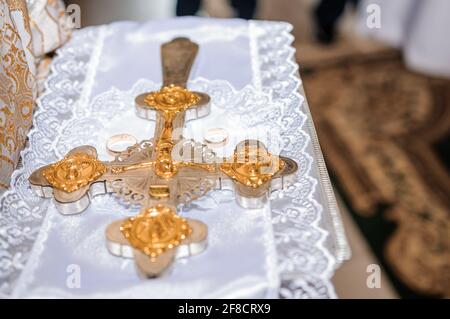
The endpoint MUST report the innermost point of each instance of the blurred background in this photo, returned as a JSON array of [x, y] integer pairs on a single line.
[[376, 75]]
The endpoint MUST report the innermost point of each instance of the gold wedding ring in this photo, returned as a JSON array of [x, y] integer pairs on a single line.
[[216, 137], [116, 144]]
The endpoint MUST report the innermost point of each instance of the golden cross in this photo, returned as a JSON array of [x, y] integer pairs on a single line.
[[149, 173]]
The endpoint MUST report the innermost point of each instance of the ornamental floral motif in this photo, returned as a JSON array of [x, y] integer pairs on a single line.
[[156, 230], [172, 99], [74, 172]]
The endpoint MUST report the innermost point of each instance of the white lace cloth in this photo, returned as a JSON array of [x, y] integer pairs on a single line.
[[289, 249]]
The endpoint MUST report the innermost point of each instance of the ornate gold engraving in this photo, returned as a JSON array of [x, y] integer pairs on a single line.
[[155, 230], [159, 191], [147, 172], [74, 172], [131, 167], [172, 99], [252, 166], [150, 170]]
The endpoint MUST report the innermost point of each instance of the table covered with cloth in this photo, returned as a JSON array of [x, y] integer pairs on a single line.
[[290, 248]]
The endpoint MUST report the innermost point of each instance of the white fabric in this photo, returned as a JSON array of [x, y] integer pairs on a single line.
[[418, 27], [288, 249]]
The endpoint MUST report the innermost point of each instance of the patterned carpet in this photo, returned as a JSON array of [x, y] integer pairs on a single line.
[[385, 134]]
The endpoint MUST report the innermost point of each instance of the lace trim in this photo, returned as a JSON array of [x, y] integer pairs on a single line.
[[279, 76], [22, 213], [27, 274]]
